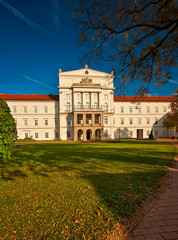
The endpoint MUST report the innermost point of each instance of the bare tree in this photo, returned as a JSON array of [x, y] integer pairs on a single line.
[[138, 37]]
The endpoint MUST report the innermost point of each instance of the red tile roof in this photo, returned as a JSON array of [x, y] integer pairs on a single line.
[[27, 97], [142, 99]]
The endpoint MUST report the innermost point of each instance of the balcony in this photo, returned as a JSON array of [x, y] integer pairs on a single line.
[[88, 109]]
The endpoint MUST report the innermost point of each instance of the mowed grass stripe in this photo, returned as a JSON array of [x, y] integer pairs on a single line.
[[77, 191]]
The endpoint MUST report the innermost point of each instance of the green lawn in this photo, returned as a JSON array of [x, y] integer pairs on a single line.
[[77, 191]]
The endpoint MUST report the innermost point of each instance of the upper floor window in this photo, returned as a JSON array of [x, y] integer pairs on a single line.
[[25, 109], [105, 120], [78, 105], [87, 105], [14, 109], [105, 96], [122, 121], [36, 122], [35, 109], [68, 122], [25, 122], [46, 109], [148, 110], [16, 122], [95, 96], [139, 110], [105, 107], [67, 96], [46, 122], [131, 110], [78, 95], [156, 121], [87, 96], [139, 120], [131, 121], [56, 110], [156, 109], [56, 122], [164, 109], [122, 109], [68, 106], [95, 105], [148, 121]]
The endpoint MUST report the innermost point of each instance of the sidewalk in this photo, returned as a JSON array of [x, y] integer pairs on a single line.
[[161, 222]]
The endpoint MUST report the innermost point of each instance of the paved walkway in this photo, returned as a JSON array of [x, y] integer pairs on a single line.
[[161, 221]]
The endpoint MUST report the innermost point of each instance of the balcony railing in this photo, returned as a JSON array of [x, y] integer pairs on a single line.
[[88, 109]]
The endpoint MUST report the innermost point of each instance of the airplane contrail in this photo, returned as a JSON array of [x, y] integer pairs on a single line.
[[27, 20], [34, 80]]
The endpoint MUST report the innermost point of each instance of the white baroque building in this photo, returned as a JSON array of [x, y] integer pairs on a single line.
[[86, 109]]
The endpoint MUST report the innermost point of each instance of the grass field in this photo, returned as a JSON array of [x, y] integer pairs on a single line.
[[77, 191]]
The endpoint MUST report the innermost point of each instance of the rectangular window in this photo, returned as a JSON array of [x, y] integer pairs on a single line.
[[78, 95], [46, 109], [35, 109], [156, 133], [56, 110], [131, 121], [25, 122], [46, 122], [147, 121], [56, 134], [68, 134], [56, 122], [36, 122], [147, 133], [14, 109], [26, 135], [139, 121], [156, 109], [95, 96], [156, 121], [122, 110], [148, 110], [164, 109], [46, 135], [131, 110], [25, 109], [131, 133], [87, 96], [139, 110], [16, 122], [68, 122], [36, 135], [105, 120], [67, 96], [114, 121], [122, 121], [105, 96]]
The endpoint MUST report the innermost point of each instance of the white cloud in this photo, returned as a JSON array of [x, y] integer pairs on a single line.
[[27, 20]]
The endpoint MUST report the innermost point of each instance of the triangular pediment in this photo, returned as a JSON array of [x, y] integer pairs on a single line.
[[84, 72]]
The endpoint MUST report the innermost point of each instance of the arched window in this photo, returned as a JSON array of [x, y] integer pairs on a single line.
[[95, 105], [78, 105], [105, 107], [105, 133], [87, 105], [68, 106]]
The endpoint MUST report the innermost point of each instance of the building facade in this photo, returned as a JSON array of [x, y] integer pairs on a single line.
[[86, 109]]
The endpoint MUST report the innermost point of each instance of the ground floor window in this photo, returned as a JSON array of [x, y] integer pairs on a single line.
[[56, 134], [147, 133], [105, 133], [68, 134], [46, 135], [131, 133], [156, 133], [26, 135], [36, 135]]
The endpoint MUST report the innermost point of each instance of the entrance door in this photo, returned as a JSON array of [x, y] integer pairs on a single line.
[[140, 133], [88, 134]]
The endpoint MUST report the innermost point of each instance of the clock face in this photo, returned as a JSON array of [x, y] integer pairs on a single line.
[[86, 72]]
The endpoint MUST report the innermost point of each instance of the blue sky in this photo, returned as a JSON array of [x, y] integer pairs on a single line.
[[37, 38]]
